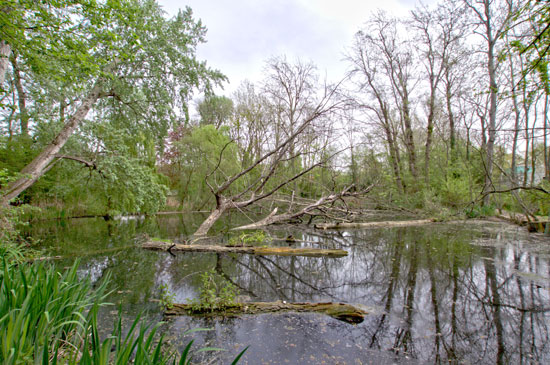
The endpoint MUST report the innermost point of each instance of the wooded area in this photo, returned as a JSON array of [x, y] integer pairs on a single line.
[[444, 111]]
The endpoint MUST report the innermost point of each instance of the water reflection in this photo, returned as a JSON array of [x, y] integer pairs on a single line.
[[439, 293]]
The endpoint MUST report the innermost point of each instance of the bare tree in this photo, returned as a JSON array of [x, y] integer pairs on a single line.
[[299, 109], [438, 30], [391, 58], [368, 71], [493, 18]]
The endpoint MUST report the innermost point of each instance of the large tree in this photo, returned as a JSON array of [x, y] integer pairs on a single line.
[[123, 59], [492, 18]]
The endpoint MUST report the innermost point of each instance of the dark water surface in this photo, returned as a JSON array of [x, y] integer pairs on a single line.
[[475, 292]]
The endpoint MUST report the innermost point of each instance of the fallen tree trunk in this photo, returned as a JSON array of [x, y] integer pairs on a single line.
[[341, 311], [386, 224], [251, 250], [274, 218], [537, 225]]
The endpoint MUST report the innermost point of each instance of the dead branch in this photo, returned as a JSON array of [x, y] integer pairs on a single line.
[[274, 218]]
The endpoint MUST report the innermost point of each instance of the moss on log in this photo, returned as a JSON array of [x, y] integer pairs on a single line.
[[386, 224], [341, 311], [251, 250]]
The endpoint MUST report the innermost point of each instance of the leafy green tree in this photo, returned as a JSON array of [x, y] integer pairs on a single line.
[[534, 40], [125, 61], [204, 152], [215, 110]]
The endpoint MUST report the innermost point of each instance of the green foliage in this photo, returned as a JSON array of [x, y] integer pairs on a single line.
[[215, 110], [48, 316], [131, 187], [13, 248], [166, 297], [248, 239], [216, 293], [205, 151], [535, 46], [147, 65], [536, 200], [478, 211], [42, 310]]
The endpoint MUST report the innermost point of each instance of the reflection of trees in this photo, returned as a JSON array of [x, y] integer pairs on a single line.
[[439, 298], [435, 296]]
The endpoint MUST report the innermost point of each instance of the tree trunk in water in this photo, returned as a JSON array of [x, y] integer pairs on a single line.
[[212, 218], [36, 167]]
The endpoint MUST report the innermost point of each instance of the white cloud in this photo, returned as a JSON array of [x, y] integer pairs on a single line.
[[243, 34]]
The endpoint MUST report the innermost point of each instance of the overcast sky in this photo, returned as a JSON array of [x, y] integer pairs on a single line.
[[243, 34]]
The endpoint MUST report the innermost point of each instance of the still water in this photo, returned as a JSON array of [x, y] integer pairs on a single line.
[[474, 292]]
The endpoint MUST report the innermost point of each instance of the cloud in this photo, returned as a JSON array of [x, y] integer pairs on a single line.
[[243, 34]]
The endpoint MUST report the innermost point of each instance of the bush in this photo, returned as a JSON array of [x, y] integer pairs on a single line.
[[216, 293]]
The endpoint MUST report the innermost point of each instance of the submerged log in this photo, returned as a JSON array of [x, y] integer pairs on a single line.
[[386, 224], [251, 250], [341, 311]]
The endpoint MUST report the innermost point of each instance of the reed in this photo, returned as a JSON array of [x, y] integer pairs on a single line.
[[50, 317]]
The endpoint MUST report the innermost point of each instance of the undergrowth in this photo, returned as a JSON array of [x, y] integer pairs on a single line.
[[51, 317]]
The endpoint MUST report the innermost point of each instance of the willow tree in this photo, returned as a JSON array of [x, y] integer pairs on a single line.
[[122, 59]]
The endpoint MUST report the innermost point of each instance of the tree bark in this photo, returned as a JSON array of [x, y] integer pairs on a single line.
[[5, 51], [250, 250], [409, 136], [35, 169], [448, 99], [545, 146], [273, 217], [341, 311], [221, 207], [21, 96], [429, 133], [387, 224]]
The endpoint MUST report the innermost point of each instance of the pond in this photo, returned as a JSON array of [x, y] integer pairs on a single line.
[[466, 292]]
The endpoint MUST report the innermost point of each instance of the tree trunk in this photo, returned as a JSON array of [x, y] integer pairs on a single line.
[[448, 98], [545, 146], [394, 156], [526, 155], [493, 89], [429, 133], [35, 169], [21, 96], [5, 51], [409, 137], [516, 128], [221, 207]]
